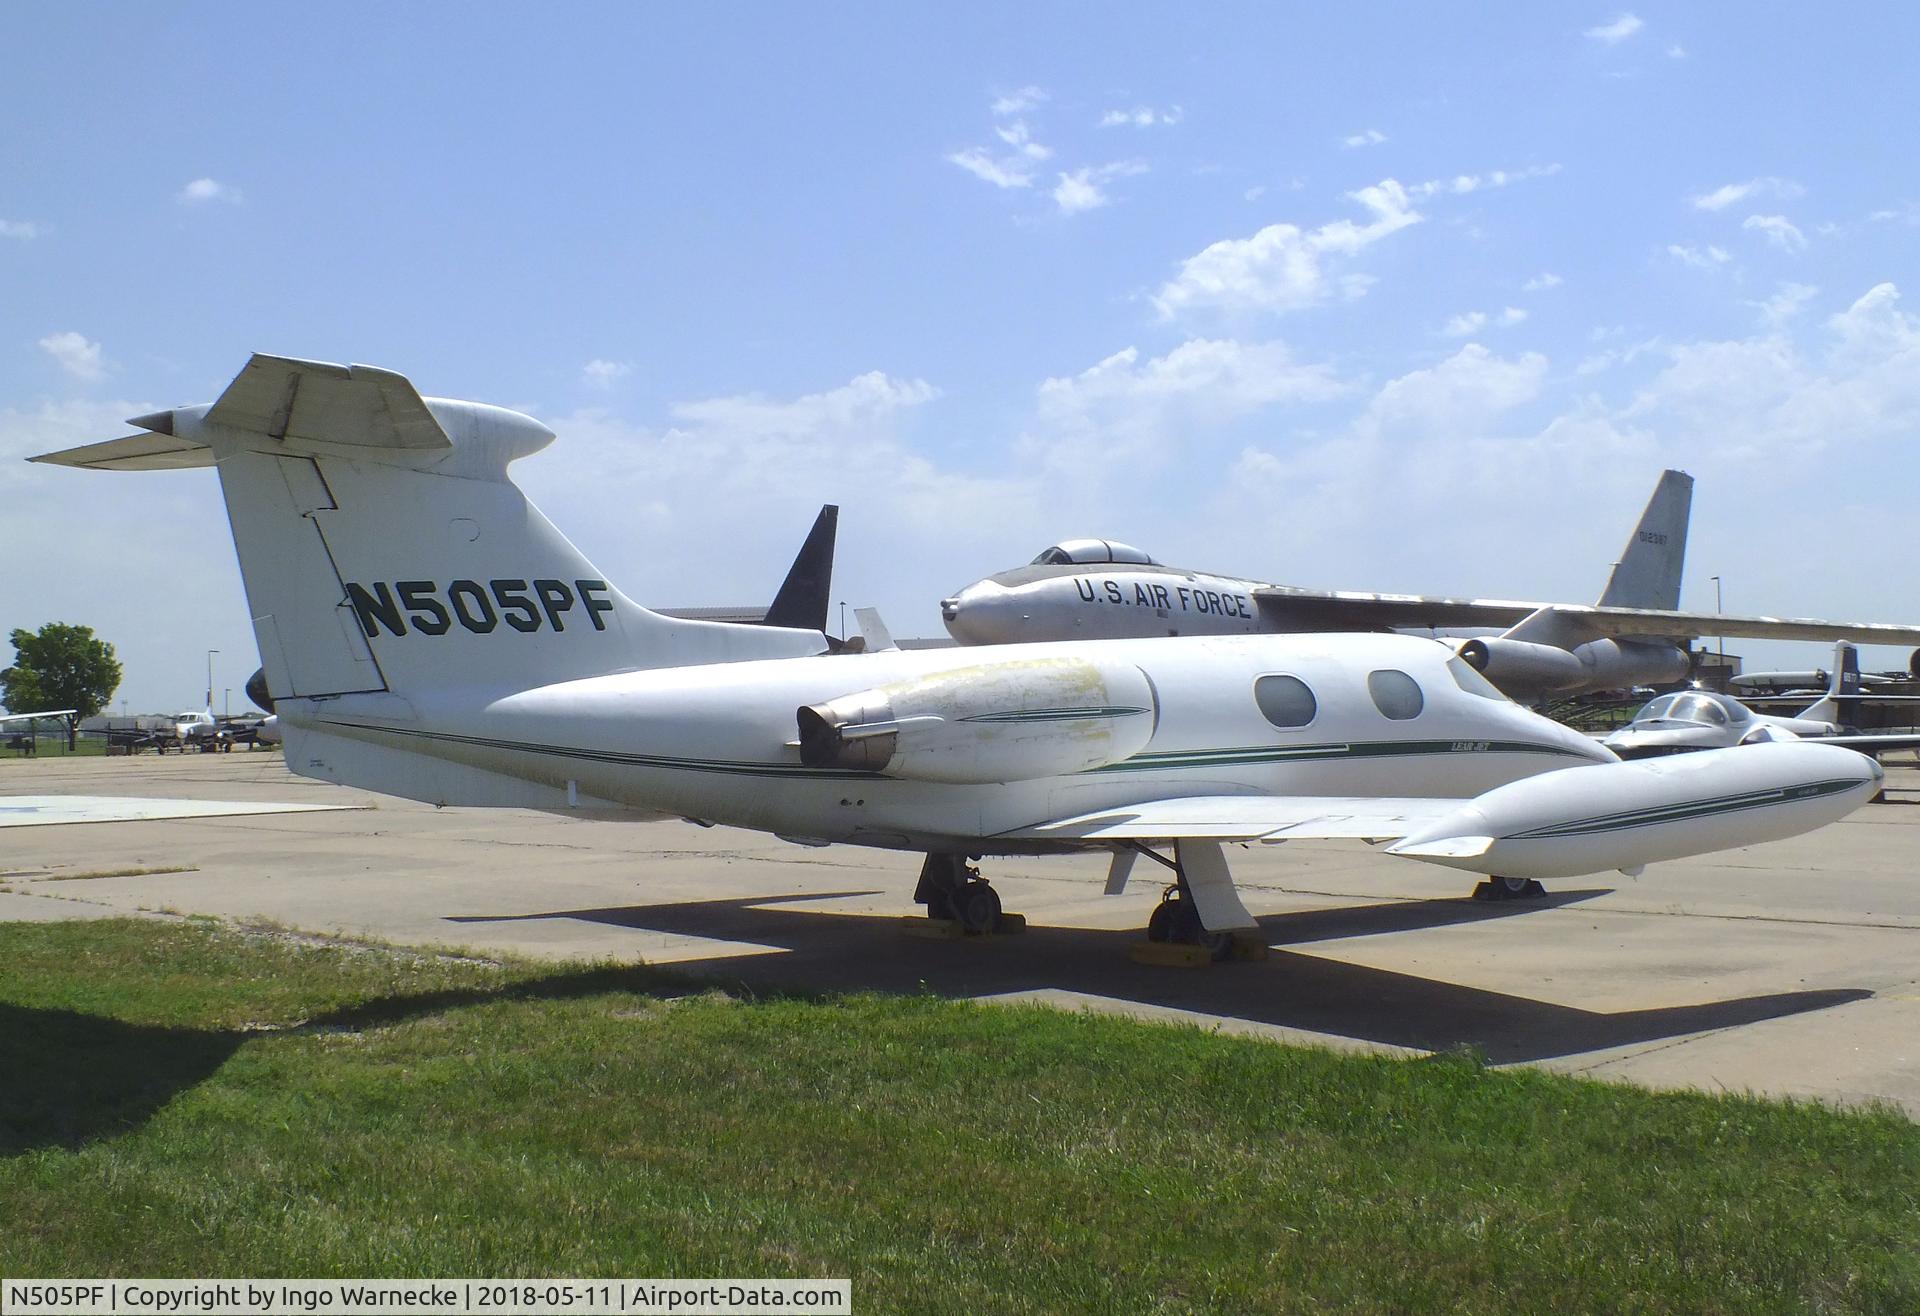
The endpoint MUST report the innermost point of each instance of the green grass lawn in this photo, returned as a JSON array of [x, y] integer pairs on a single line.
[[184, 1100]]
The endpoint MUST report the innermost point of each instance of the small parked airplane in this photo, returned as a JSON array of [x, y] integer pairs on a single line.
[[425, 632], [1635, 634], [1704, 719]]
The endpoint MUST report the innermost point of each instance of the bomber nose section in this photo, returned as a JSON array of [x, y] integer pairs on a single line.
[[982, 613]]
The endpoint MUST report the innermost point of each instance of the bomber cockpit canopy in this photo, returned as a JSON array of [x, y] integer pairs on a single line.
[[1076, 552]]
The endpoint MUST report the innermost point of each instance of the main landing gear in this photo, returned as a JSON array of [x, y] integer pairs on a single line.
[[1199, 919], [1509, 888], [958, 897]]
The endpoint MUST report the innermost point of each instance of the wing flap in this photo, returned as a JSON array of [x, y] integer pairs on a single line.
[[1246, 818], [1651, 623]]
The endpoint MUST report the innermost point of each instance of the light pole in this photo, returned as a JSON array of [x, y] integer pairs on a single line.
[[1717, 610], [210, 654]]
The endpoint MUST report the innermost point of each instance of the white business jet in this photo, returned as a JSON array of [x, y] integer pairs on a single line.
[[427, 633]]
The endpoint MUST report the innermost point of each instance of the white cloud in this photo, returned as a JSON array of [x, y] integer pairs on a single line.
[[76, 355], [1676, 51], [1463, 392], [1082, 189], [1282, 267], [1019, 102], [204, 191], [602, 373], [1542, 282], [1222, 376], [1148, 411], [19, 229], [1779, 231], [1727, 194], [1006, 172], [1699, 258], [1462, 184], [1020, 138], [1612, 34], [1144, 116], [1469, 323], [1371, 137], [1785, 305]]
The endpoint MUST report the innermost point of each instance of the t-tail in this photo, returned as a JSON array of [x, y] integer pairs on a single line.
[[385, 549], [1648, 573]]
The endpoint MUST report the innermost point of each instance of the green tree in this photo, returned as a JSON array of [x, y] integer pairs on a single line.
[[60, 666]]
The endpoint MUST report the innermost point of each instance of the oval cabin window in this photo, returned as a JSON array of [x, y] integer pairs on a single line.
[[1285, 701], [1395, 694]]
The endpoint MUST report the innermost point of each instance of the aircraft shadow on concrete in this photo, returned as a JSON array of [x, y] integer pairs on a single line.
[[68, 1078], [829, 951]]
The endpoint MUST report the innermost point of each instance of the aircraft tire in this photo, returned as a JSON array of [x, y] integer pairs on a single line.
[[977, 906]]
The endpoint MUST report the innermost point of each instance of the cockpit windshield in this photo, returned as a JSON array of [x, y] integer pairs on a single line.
[[1079, 552], [1693, 706]]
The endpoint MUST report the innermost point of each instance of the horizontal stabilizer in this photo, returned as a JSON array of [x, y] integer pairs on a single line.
[[136, 452], [317, 401]]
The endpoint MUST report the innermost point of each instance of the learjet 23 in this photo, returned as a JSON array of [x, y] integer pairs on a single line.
[[427, 633]]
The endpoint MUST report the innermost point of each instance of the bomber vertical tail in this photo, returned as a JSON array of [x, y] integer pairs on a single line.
[[1648, 573]]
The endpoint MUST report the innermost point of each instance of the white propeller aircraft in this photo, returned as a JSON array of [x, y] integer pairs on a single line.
[[427, 633], [1635, 635], [1704, 719]]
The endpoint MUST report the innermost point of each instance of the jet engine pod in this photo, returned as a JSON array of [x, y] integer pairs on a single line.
[[1014, 720], [1618, 664], [1521, 667]]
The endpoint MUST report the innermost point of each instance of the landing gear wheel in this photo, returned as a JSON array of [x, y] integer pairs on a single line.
[[1509, 888], [976, 906], [1175, 919]]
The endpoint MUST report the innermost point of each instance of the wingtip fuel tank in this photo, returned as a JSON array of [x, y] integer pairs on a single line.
[[1624, 815]]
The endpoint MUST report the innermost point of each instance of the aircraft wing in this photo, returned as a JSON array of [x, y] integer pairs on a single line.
[[1247, 818], [1651, 623], [1871, 742], [1290, 608], [30, 717]]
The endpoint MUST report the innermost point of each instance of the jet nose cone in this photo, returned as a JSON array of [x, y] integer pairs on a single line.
[[975, 614]]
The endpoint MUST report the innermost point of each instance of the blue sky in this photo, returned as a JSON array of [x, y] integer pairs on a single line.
[[1418, 298]]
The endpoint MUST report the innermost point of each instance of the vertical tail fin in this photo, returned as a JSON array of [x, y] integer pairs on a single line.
[[384, 547], [802, 600], [1648, 573], [1844, 681]]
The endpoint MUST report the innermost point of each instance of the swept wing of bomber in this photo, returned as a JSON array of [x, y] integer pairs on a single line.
[[1634, 635], [425, 632]]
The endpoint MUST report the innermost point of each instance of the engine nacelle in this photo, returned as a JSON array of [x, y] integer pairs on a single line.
[[1526, 670], [1618, 664], [1006, 721], [1522, 668]]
